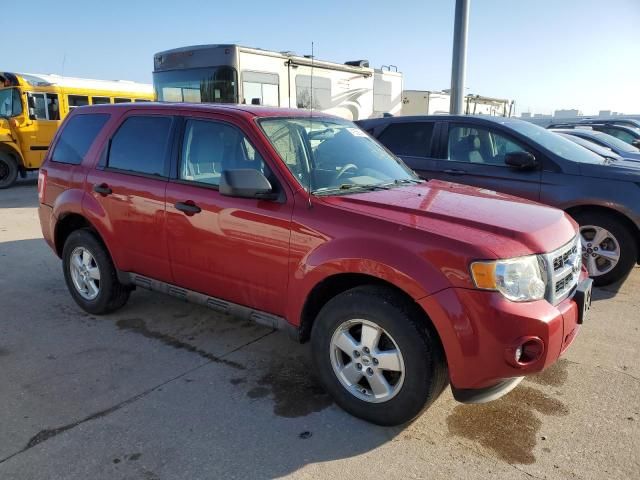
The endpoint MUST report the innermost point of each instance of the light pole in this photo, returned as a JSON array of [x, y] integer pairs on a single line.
[[459, 57]]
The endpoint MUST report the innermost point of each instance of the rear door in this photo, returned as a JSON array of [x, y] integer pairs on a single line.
[[413, 142], [236, 249], [474, 155], [129, 183]]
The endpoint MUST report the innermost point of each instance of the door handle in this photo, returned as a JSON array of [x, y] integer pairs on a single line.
[[188, 207], [455, 172], [103, 189]]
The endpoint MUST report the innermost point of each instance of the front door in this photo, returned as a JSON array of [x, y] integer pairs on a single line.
[[474, 155], [130, 187], [236, 249], [40, 126]]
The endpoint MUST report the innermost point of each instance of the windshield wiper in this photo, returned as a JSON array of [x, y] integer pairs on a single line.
[[407, 180], [353, 186]]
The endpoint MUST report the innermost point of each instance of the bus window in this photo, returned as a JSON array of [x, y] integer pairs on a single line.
[[53, 106], [77, 101], [100, 100], [121, 100], [37, 106], [139, 100]]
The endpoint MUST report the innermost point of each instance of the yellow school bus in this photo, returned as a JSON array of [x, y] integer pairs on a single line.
[[32, 107]]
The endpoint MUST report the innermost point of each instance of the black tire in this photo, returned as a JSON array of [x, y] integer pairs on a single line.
[[628, 244], [8, 170], [112, 294], [425, 374]]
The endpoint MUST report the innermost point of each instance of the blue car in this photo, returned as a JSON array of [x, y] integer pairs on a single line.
[[605, 140]]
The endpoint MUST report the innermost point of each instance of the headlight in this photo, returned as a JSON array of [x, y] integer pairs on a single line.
[[518, 279]]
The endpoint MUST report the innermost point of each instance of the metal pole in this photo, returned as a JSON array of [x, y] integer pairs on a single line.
[[459, 58]]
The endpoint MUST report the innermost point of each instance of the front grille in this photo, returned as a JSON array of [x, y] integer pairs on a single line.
[[563, 271]]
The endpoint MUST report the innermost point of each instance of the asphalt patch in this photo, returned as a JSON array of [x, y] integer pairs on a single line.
[[508, 426], [294, 389], [139, 326]]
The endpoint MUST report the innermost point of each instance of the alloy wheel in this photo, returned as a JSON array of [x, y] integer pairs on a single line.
[[600, 250], [85, 273], [367, 361]]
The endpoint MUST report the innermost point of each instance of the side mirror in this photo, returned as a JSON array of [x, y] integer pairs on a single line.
[[636, 143], [521, 160], [32, 113], [246, 183]]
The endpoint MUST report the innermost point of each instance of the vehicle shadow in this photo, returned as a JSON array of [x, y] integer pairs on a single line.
[[23, 194]]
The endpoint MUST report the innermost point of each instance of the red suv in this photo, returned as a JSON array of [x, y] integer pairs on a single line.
[[306, 223]]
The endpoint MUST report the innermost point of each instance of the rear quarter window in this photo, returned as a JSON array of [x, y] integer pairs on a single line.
[[76, 138]]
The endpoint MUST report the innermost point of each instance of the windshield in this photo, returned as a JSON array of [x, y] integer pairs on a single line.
[[197, 85], [555, 143], [10, 104], [616, 142], [334, 155]]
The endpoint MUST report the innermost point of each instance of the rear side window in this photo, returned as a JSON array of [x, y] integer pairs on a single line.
[[412, 139], [76, 138], [140, 145]]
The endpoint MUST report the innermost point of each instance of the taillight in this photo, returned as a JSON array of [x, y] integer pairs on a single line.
[[42, 184]]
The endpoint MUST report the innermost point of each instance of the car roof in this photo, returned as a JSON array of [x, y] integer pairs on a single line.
[[482, 119], [229, 109], [586, 131]]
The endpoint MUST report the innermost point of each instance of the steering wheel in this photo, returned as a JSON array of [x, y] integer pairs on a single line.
[[343, 170]]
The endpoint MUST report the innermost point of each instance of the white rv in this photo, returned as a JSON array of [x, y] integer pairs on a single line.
[[424, 102], [235, 74]]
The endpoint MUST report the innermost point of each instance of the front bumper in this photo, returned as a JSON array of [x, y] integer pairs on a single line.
[[481, 330]]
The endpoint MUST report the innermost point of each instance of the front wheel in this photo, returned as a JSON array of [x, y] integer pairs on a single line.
[[376, 357], [609, 250], [8, 170]]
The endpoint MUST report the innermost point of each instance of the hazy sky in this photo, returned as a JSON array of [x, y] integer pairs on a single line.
[[546, 54]]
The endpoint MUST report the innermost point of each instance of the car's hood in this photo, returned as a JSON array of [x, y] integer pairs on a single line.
[[625, 170], [506, 225], [631, 156]]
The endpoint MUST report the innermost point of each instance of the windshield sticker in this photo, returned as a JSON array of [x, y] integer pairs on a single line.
[[356, 132]]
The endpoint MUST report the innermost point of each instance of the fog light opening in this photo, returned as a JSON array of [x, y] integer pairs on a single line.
[[529, 352]]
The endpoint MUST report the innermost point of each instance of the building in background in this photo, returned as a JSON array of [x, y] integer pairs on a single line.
[[426, 102]]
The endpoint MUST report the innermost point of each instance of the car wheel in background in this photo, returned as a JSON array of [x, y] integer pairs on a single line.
[[609, 250], [90, 275], [8, 170], [376, 356]]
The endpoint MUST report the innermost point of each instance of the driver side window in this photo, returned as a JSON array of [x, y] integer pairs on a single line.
[[479, 145], [209, 148]]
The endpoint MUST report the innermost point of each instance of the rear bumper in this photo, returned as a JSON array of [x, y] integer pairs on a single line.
[[45, 212], [480, 332]]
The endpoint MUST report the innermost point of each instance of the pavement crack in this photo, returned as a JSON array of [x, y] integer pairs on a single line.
[[605, 369], [46, 434]]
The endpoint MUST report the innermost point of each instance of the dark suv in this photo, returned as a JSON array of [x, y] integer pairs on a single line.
[[520, 158]]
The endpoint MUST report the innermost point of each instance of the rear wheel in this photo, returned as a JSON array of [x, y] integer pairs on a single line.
[[609, 250], [376, 357], [8, 170], [90, 275]]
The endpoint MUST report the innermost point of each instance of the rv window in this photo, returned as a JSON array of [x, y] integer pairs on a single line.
[[260, 88], [321, 92]]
